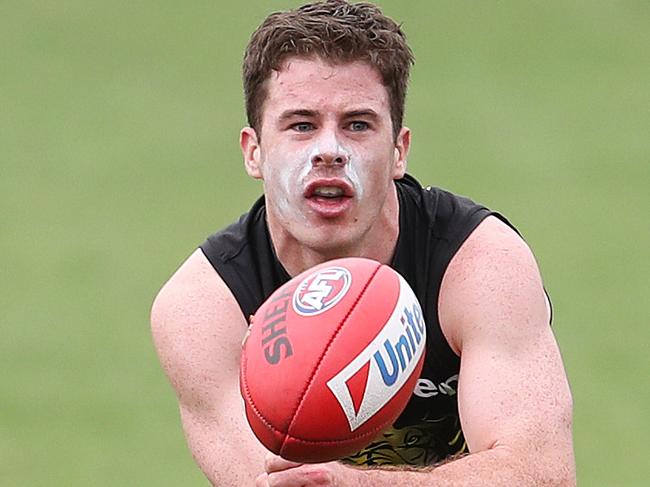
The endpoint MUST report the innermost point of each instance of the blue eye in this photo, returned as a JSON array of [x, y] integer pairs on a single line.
[[358, 126], [302, 127]]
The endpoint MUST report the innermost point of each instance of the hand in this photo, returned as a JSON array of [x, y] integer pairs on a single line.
[[283, 473]]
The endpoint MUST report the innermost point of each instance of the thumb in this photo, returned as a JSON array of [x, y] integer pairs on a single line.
[[275, 463]]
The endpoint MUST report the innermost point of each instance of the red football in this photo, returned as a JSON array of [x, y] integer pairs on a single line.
[[331, 359]]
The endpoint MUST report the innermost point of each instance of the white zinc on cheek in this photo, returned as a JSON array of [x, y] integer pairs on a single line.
[[291, 179], [306, 164], [276, 175], [352, 174]]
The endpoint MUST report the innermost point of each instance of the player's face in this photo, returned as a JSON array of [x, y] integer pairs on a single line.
[[327, 155]]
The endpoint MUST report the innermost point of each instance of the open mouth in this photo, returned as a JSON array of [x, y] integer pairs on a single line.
[[328, 192], [329, 189], [329, 197]]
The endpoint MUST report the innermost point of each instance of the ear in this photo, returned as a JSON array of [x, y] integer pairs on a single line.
[[250, 149], [401, 152]]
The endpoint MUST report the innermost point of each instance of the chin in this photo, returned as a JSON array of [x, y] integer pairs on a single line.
[[332, 243]]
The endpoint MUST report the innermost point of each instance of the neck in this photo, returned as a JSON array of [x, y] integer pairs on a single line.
[[377, 243]]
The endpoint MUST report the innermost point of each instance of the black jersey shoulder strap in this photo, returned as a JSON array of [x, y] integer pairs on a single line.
[[433, 225], [244, 257]]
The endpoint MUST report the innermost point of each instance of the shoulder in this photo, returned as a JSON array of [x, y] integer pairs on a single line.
[[230, 241], [197, 327], [194, 288], [449, 215], [198, 330], [491, 280]]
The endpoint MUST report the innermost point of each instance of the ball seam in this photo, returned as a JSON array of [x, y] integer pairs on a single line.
[[251, 402], [327, 347]]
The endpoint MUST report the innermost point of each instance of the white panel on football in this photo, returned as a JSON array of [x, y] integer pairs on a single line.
[[393, 355]]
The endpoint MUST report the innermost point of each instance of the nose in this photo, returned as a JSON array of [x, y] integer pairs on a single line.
[[329, 152], [329, 158]]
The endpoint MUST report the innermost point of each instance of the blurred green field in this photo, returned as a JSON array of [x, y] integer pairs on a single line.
[[118, 136]]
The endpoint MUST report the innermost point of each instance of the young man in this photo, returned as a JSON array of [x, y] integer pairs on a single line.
[[325, 87]]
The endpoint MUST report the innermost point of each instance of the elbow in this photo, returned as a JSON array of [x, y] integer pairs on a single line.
[[568, 479], [563, 475], [559, 467], [556, 468], [548, 462], [551, 470]]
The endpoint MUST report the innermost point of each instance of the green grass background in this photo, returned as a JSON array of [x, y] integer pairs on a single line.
[[118, 154]]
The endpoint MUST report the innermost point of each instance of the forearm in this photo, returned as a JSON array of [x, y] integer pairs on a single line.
[[225, 451], [493, 467]]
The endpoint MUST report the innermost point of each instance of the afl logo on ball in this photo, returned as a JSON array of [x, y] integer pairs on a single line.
[[321, 290]]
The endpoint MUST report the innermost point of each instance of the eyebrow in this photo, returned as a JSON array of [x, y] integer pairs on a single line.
[[288, 114], [367, 112]]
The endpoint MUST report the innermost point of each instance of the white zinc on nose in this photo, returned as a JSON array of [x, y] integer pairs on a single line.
[[328, 150]]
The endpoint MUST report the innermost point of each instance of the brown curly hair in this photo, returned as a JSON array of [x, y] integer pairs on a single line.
[[336, 31]]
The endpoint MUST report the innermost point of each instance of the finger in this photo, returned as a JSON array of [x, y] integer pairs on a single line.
[[262, 480], [274, 463], [289, 478]]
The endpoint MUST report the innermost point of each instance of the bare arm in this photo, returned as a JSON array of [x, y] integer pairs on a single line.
[[198, 329], [514, 399]]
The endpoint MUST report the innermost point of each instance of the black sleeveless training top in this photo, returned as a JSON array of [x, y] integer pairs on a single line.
[[433, 224]]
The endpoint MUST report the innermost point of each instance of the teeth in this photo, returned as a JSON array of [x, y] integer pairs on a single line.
[[328, 191]]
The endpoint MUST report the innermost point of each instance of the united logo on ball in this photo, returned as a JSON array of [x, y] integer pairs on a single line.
[[331, 359], [368, 382], [321, 290]]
